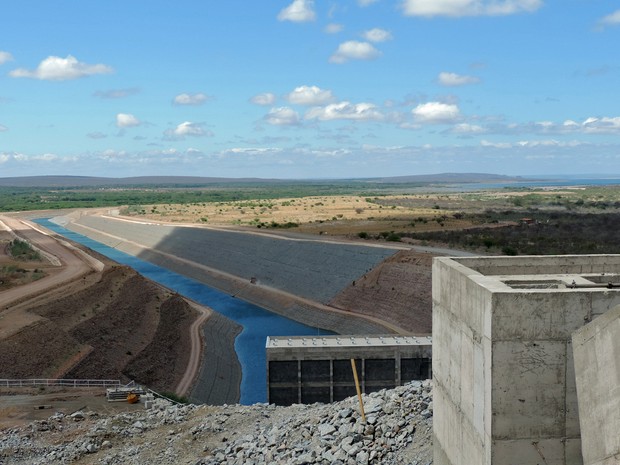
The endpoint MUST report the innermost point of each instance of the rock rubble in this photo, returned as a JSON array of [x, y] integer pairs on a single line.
[[397, 430]]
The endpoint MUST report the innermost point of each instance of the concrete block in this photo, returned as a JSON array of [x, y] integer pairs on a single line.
[[573, 452], [604, 301], [538, 315], [447, 426], [597, 366], [572, 406], [529, 452], [528, 389]]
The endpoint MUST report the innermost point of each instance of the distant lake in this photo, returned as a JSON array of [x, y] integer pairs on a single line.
[[257, 322], [537, 183]]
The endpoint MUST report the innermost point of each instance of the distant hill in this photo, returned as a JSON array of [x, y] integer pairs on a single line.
[[90, 181], [186, 181]]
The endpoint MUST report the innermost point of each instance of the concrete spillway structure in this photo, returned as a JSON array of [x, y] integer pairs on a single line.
[[504, 377], [318, 369]]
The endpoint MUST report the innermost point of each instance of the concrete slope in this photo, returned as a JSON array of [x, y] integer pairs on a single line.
[[310, 269]]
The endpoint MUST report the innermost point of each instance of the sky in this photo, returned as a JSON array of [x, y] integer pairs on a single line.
[[309, 89]]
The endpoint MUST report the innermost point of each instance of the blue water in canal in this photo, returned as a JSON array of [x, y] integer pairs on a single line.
[[257, 322]]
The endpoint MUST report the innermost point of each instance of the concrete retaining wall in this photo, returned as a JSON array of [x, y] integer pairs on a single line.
[[597, 348], [504, 377]]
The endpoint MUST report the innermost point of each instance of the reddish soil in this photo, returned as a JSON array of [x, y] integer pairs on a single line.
[[397, 291]]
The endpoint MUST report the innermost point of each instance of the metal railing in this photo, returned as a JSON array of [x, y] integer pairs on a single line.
[[59, 382]]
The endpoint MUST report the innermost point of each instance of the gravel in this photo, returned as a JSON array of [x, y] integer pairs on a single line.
[[397, 430]]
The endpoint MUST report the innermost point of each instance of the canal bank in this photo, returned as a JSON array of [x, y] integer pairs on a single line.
[[256, 322]]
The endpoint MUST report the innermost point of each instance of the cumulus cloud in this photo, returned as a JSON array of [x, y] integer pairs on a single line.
[[333, 28], [266, 99], [188, 128], [190, 99], [310, 95], [377, 35], [55, 68], [126, 120], [116, 93], [457, 8], [299, 11], [282, 116], [604, 125], [354, 50], [5, 56], [454, 80], [612, 19], [345, 111], [436, 113]]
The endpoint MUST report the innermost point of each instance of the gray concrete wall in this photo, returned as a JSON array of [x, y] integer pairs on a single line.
[[503, 370], [461, 366], [596, 348]]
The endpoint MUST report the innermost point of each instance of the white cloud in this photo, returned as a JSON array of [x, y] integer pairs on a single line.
[[266, 98], [345, 111], [282, 116], [453, 79], [5, 56], [126, 120], [604, 125], [612, 19], [354, 50], [188, 128], [310, 95], [333, 28], [299, 11], [457, 8], [366, 2], [377, 35], [191, 99], [466, 128], [436, 113], [3, 128], [60, 69]]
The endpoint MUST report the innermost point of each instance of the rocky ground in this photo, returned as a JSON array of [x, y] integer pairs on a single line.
[[397, 430]]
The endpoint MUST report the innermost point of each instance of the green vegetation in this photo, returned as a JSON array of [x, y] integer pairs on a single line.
[[21, 250], [175, 397], [37, 198]]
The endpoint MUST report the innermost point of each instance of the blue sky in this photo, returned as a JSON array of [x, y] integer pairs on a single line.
[[309, 89]]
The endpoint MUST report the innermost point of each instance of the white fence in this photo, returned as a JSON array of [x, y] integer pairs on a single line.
[[59, 382]]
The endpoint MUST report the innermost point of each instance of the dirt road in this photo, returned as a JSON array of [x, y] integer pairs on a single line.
[[71, 264], [193, 366]]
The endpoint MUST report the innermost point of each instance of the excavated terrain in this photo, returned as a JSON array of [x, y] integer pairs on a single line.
[[397, 291], [115, 325]]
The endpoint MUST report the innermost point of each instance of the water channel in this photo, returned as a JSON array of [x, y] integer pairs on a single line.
[[257, 322]]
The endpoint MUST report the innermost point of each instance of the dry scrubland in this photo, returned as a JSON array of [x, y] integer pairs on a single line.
[[334, 215], [351, 215]]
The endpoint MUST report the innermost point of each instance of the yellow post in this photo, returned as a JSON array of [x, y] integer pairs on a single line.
[[357, 388]]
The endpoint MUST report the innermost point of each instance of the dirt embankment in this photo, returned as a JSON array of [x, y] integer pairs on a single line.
[[397, 291], [117, 326]]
